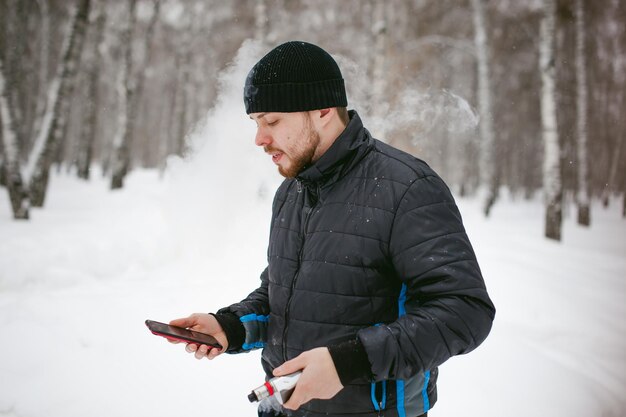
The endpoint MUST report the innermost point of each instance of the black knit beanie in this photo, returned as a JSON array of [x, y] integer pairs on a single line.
[[295, 76]]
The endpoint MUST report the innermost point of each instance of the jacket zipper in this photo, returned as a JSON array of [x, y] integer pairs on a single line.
[[307, 215]]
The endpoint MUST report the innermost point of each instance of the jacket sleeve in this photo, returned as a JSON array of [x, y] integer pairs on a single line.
[[245, 323], [443, 307]]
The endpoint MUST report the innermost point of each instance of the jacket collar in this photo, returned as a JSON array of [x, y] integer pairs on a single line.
[[347, 150]]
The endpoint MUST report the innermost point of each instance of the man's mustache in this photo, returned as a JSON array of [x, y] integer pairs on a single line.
[[270, 149]]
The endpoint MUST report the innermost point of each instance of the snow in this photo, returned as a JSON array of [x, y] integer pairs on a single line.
[[78, 280]]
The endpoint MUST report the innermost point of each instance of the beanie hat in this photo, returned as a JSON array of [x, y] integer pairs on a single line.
[[295, 76]]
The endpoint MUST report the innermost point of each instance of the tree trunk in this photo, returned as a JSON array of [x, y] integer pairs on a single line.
[[3, 176], [138, 94], [170, 143], [121, 144], [90, 122], [552, 184], [57, 111], [612, 185], [15, 74], [487, 142], [11, 165], [44, 58], [181, 107], [581, 125], [261, 22], [377, 71]]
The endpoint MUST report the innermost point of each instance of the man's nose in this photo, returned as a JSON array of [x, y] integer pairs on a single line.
[[262, 138]]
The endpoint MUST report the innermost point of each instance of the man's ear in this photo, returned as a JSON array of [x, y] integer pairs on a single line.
[[323, 117]]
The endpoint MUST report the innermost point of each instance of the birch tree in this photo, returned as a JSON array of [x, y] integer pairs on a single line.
[[44, 58], [581, 110], [261, 22], [614, 164], [90, 121], [57, 109], [552, 185], [121, 143], [487, 142], [11, 163], [181, 93], [181, 99], [377, 70], [3, 177], [138, 94], [14, 72]]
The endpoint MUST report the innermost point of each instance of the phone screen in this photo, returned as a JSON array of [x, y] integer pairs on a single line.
[[179, 333]]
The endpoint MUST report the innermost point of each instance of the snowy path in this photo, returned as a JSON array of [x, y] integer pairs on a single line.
[[77, 282]]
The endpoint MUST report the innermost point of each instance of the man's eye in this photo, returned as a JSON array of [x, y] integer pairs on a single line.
[[272, 123]]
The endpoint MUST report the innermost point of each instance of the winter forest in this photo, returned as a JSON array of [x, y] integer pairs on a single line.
[[130, 187], [526, 95]]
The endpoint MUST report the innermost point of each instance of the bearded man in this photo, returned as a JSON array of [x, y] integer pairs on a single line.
[[371, 282]]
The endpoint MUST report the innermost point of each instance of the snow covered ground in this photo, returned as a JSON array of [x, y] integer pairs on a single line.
[[80, 278]]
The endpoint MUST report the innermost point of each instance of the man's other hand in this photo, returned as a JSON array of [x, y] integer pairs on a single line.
[[203, 323], [319, 379]]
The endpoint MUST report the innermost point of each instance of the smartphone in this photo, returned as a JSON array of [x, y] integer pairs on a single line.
[[182, 334]]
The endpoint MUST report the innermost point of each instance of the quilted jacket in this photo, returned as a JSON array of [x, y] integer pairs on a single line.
[[368, 244]]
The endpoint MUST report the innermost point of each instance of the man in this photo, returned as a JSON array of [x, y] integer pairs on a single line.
[[371, 281]]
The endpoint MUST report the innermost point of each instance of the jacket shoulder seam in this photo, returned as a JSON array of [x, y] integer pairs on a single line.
[[347, 233], [428, 240], [347, 203], [419, 173], [445, 264]]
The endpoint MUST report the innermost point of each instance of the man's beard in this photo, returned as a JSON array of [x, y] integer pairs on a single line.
[[302, 153]]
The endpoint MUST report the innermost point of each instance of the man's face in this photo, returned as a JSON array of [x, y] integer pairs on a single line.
[[289, 138]]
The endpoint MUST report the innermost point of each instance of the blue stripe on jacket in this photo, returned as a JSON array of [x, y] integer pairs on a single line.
[[408, 394], [256, 331]]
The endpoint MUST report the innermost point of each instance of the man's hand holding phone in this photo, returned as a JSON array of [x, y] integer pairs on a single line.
[[203, 323]]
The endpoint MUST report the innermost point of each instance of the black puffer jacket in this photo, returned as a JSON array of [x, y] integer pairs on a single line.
[[368, 244]]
